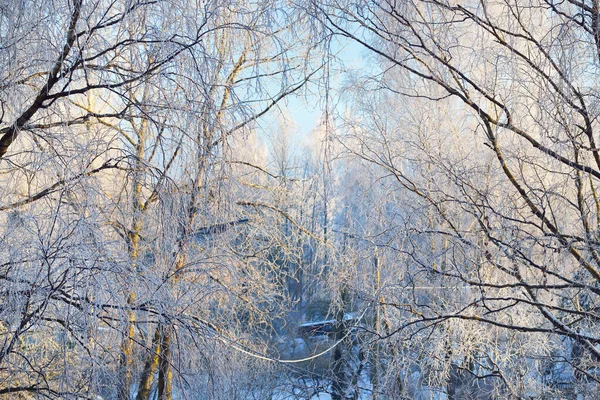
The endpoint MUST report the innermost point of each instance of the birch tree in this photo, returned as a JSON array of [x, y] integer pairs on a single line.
[[117, 127], [508, 170]]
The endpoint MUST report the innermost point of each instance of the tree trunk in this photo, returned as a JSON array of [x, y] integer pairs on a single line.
[[339, 370], [126, 354], [377, 327], [338, 373], [133, 248], [150, 367], [165, 372]]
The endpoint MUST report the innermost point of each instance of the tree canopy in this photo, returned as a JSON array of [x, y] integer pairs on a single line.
[[168, 233]]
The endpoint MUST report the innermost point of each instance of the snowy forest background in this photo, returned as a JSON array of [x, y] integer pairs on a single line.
[[169, 230]]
